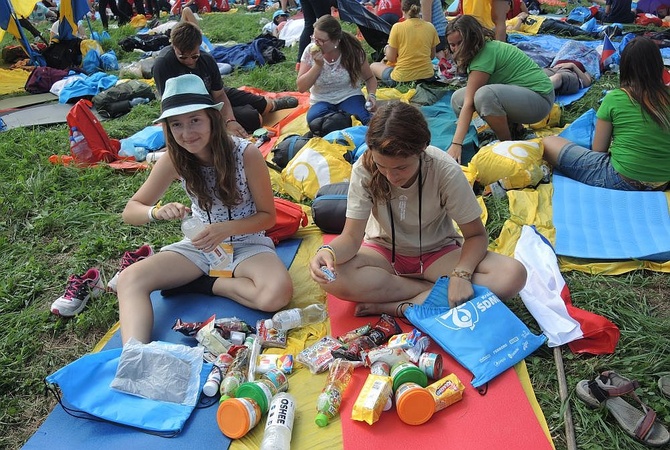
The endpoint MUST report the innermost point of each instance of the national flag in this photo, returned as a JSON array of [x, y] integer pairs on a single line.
[[608, 51], [547, 297]]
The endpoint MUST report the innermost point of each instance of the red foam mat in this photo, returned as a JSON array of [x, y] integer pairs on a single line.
[[501, 419]]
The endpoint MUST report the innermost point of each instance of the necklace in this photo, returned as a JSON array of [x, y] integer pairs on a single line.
[[331, 60]]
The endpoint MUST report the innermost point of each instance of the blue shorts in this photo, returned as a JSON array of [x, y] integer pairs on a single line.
[[386, 77], [594, 169]]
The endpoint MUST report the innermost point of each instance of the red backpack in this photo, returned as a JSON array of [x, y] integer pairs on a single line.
[[102, 147], [290, 216]]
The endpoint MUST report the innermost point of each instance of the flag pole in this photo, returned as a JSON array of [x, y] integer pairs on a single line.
[[563, 391]]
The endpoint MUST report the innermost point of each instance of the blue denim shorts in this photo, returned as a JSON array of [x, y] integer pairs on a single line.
[[593, 168], [386, 77]]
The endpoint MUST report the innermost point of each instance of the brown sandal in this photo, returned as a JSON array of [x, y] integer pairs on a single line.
[[606, 390]]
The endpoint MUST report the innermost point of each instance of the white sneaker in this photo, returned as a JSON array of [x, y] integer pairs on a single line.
[[79, 290]]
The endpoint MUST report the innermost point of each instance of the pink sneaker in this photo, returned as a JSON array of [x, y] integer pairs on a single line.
[[129, 258], [79, 290]]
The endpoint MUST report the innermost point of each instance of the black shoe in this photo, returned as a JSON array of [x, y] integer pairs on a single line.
[[285, 103], [202, 285]]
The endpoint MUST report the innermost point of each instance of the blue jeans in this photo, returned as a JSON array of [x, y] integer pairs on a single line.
[[592, 168], [354, 105]]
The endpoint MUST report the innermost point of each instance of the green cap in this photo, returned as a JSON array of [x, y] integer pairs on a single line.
[[321, 420], [410, 374], [224, 398]]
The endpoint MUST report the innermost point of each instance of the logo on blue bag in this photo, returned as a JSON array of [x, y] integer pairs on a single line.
[[463, 316]]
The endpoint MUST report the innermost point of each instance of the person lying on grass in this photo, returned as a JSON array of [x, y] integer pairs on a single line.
[[630, 150], [399, 236], [229, 186]]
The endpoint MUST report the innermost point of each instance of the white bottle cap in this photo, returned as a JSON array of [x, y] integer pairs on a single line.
[[268, 324], [210, 388]]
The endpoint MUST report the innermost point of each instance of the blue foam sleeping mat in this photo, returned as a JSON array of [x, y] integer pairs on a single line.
[[62, 431], [605, 224]]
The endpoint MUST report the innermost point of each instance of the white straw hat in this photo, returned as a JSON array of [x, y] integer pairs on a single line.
[[185, 94]]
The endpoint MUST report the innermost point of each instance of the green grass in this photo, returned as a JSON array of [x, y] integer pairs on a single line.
[[55, 221]]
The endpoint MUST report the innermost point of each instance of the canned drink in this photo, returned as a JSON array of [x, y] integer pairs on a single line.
[[277, 378], [431, 364]]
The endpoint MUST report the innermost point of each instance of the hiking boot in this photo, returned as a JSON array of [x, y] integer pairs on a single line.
[[285, 103], [129, 258], [79, 290]]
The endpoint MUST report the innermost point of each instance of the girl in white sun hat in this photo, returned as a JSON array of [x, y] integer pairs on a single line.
[[228, 184]]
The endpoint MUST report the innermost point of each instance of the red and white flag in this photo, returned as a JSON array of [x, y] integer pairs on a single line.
[[608, 51], [547, 298]]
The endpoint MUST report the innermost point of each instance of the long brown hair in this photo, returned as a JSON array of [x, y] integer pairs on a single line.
[[188, 167], [474, 37], [396, 130], [641, 75], [353, 54]]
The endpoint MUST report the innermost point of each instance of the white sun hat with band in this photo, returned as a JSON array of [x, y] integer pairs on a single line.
[[185, 94]]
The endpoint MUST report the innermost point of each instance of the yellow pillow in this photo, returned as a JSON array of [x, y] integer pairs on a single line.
[[517, 164], [316, 164]]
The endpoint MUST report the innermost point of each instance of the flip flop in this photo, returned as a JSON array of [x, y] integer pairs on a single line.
[[664, 385], [606, 390]]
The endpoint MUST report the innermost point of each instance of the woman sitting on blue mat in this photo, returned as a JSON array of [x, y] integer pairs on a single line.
[[399, 236], [505, 87], [630, 150], [229, 187]]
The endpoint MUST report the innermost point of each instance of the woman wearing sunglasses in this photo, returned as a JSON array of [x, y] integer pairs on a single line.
[[399, 236]]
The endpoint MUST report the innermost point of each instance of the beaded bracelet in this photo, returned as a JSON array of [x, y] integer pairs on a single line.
[[230, 120], [330, 250], [462, 273]]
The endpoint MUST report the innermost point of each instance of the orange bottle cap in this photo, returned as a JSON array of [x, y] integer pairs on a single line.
[[236, 416], [414, 404]]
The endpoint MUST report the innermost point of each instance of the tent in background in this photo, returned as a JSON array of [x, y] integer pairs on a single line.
[[10, 12], [374, 29]]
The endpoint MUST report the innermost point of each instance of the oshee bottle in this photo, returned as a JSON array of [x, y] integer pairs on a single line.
[[330, 399], [297, 317], [279, 425]]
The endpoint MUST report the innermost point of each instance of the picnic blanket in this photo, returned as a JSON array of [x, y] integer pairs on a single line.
[[62, 431]]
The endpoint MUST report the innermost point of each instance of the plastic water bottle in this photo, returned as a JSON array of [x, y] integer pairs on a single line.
[[330, 399], [191, 227], [297, 317], [79, 147], [139, 101], [279, 425], [128, 149]]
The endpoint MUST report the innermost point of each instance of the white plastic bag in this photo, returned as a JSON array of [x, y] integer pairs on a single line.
[[160, 371]]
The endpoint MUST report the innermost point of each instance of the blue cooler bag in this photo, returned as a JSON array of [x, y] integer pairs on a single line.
[[483, 334]]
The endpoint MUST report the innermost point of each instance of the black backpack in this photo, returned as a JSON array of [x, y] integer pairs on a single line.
[[115, 101], [287, 148], [64, 54]]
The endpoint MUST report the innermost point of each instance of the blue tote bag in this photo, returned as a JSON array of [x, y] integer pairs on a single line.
[[483, 334]]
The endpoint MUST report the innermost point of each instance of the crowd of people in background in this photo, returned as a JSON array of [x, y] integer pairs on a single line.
[[388, 262]]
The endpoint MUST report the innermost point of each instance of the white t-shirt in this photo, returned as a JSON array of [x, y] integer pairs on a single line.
[[333, 84], [446, 197]]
